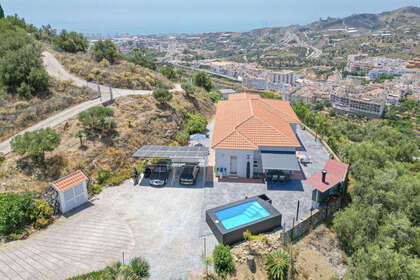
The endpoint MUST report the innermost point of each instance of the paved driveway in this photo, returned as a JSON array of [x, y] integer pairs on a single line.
[[161, 224]]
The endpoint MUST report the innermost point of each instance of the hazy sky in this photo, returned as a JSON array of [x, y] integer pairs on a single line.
[[166, 16]]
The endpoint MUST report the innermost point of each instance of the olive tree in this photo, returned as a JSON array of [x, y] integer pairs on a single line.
[[36, 143]]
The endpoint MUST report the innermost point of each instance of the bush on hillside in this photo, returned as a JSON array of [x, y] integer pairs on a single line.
[[277, 265], [169, 73], [72, 42], [21, 69], [201, 79], [105, 49], [223, 261], [188, 88], [195, 123], [139, 57], [36, 143], [98, 119], [162, 95]]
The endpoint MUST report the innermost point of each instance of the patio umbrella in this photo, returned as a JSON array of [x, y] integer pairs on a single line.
[[197, 137]]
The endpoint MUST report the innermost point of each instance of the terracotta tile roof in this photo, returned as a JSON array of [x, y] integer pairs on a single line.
[[69, 181], [336, 173], [247, 121]]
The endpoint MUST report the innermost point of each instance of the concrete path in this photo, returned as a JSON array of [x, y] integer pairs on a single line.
[[56, 70]]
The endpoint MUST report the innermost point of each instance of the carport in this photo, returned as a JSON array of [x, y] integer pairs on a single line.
[[179, 155]]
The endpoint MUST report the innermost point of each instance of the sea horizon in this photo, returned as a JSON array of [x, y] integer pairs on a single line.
[[93, 17]]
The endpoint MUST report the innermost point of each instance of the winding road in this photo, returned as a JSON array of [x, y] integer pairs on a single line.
[[56, 70]]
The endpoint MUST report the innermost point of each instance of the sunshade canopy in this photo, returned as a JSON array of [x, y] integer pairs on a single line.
[[175, 153], [279, 161]]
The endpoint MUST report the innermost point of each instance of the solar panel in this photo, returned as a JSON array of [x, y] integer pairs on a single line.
[[172, 152]]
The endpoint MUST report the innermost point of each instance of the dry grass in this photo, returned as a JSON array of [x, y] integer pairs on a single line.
[[19, 113], [120, 75], [152, 123]]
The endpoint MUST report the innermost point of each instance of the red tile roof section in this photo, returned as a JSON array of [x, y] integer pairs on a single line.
[[70, 180], [336, 173], [247, 121]]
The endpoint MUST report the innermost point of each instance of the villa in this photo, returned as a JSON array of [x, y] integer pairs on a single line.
[[254, 136]]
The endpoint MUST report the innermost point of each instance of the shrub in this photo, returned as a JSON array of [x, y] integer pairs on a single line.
[[195, 123], [162, 95], [223, 261], [42, 214], [36, 143], [277, 264], [98, 119], [94, 189], [201, 79], [105, 49], [139, 57], [15, 212], [140, 267], [103, 176], [169, 73], [2, 158], [215, 97], [188, 88], [182, 138], [72, 42]]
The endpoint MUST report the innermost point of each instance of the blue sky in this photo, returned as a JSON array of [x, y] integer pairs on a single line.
[[165, 16]]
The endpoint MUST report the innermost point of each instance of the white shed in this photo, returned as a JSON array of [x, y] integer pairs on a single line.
[[72, 190]]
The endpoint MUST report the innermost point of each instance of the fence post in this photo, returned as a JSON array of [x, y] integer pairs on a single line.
[[297, 210], [293, 230]]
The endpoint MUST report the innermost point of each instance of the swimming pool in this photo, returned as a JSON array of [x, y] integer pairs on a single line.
[[256, 214], [241, 214]]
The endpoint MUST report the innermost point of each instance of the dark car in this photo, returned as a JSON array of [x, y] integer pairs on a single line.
[[189, 174], [160, 172]]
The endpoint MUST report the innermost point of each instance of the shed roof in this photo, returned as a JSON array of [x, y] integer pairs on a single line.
[[336, 173], [70, 181]]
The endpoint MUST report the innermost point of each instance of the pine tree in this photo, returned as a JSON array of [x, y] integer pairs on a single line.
[[1, 12]]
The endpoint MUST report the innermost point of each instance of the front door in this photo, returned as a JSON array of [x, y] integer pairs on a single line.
[[233, 165]]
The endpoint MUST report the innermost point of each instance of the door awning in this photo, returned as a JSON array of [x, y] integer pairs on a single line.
[[280, 161]]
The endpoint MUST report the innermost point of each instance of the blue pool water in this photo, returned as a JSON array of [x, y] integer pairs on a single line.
[[241, 214]]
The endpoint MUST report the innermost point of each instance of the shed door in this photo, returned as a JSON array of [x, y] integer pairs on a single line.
[[74, 197]]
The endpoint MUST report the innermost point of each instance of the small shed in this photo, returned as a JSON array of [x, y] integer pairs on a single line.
[[327, 181], [72, 190]]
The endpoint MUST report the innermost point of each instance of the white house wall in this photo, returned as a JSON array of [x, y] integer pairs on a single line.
[[243, 156]]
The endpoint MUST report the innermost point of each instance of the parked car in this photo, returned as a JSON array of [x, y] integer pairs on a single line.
[[160, 172], [189, 174]]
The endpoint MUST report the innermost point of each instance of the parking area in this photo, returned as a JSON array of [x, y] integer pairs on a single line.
[[173, 179]]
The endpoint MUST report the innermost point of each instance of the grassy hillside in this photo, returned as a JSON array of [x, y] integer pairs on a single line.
[[139, 120], [122, 74]]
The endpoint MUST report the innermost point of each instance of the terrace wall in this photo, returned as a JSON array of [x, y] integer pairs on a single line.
[[305, 225]]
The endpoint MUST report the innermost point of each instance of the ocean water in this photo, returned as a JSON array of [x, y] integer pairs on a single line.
[[189, 16]]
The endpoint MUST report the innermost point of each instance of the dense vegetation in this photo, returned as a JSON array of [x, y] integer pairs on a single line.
[[137, 269], [72, 42], [201, 79], [140, 57], [105, 50], [17, 211], [21, 69], [162, 95], [380, 228]]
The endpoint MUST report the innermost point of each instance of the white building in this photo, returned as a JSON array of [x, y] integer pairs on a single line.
[[253, 136], [72, 190]]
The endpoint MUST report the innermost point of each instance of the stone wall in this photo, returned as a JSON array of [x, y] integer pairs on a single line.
[[305, 225]]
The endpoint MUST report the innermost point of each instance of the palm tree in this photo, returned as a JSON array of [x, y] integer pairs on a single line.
[[81, 134]]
